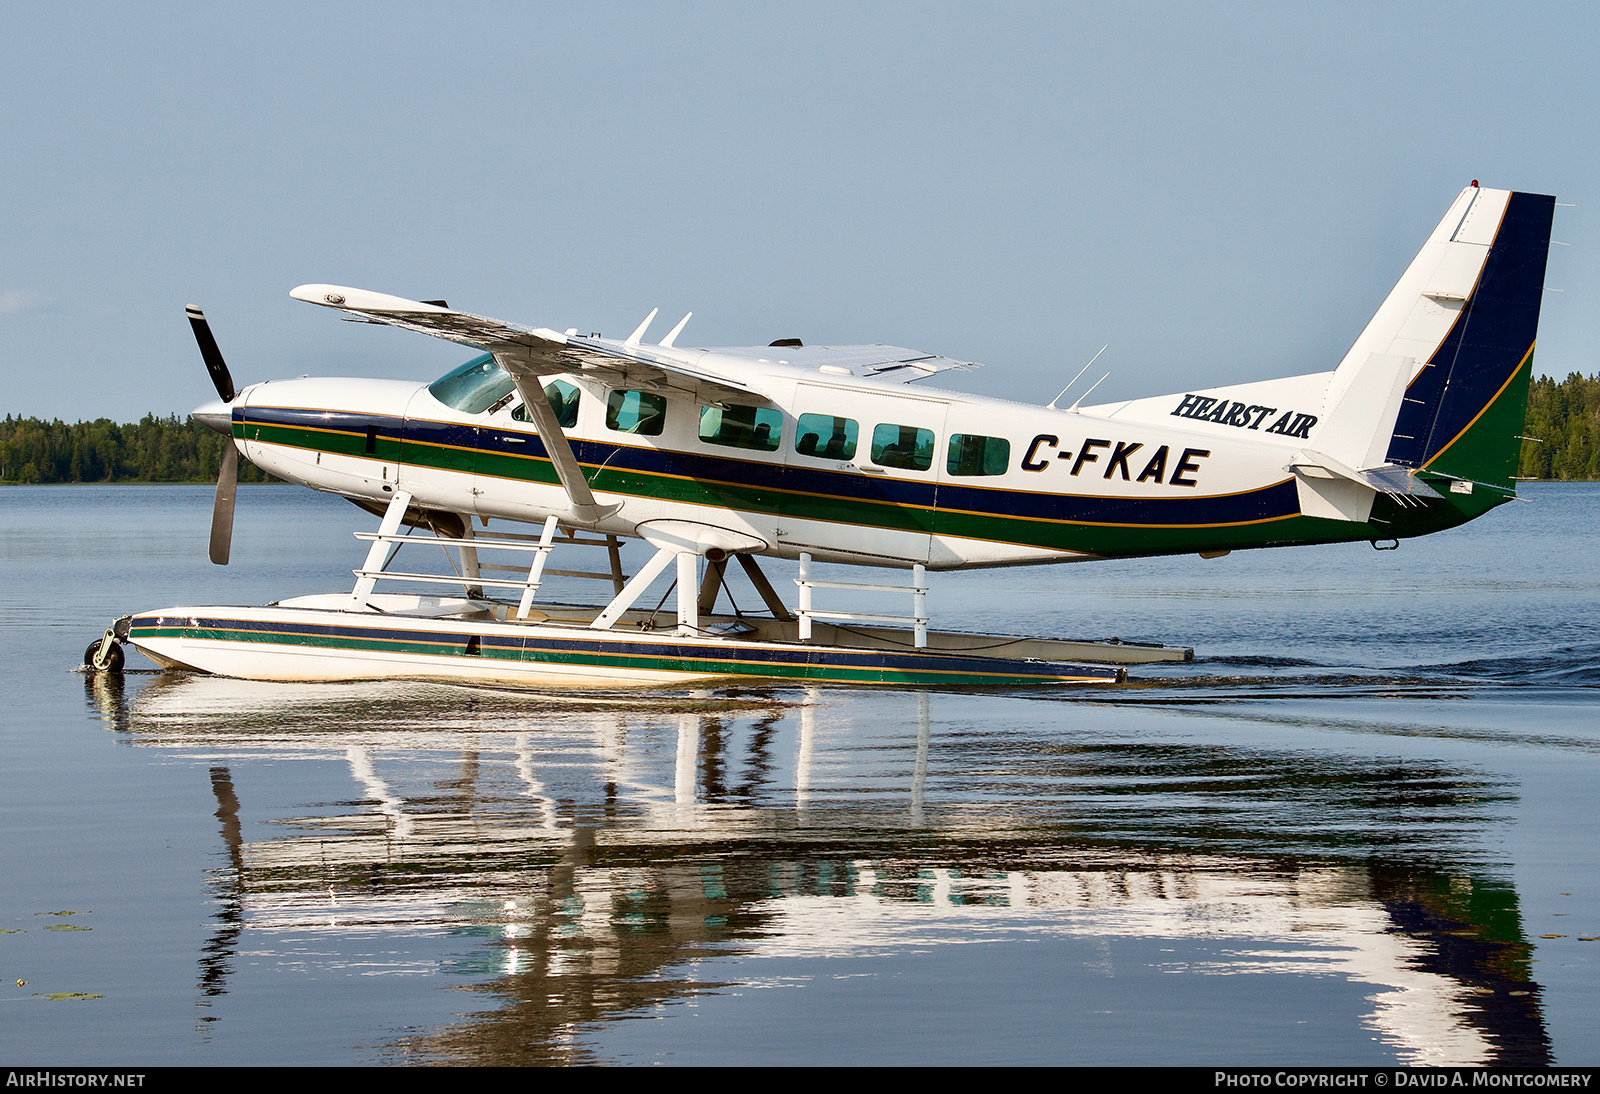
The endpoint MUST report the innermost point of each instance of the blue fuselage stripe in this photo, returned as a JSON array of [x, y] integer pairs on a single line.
[[799, 489]]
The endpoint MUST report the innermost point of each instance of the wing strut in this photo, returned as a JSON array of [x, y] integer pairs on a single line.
[[584, 509], [764, 587]]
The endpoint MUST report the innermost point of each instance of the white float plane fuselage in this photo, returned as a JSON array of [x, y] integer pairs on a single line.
[[789, 449]]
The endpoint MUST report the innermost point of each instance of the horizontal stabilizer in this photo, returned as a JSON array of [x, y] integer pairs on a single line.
[[1399, 483]]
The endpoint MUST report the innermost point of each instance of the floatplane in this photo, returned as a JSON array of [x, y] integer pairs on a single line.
[[827, 455]]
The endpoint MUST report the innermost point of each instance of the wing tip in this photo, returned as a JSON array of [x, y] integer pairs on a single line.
[[365, 300]]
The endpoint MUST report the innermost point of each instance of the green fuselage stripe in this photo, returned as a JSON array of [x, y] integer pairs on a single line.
[[1389, 520]]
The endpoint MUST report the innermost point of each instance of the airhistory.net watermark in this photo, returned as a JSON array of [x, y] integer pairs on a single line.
[[51, 1078]]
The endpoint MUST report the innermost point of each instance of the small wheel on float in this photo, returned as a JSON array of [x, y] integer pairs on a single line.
[[114, 660]]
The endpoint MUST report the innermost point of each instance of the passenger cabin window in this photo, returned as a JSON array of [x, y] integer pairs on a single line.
[[474, 387], [637, 412], [974, 455], [563, 400], [753, 427], [903, 446], [825, 437]]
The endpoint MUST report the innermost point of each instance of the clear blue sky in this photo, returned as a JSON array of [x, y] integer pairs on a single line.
[[1221, 192]]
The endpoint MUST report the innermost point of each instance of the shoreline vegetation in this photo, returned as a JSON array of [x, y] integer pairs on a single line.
[[170, 449], [1564, 416]]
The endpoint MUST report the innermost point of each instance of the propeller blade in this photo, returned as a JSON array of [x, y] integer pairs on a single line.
[[222, 510], [215, 365]]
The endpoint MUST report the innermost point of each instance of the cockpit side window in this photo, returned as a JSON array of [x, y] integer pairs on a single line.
[[473, 387]]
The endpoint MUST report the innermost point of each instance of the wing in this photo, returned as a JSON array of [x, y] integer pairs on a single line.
[[527, 352], [893, 363], [705, 374]]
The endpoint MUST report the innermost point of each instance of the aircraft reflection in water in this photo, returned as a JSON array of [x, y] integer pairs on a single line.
[[606, 850]]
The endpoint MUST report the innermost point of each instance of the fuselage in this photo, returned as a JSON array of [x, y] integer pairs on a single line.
[[846, 468]]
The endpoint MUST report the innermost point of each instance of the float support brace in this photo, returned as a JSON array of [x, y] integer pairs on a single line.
[[536, 568], [805, 596], [688, 602], [770, 595], [469, 558], [711, 585], [379, 553], [634, 589]]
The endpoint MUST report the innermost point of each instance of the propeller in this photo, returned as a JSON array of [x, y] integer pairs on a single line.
[[218, 418], [222, 507], [221, 378]]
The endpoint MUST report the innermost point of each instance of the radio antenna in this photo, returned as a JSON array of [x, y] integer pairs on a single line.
[[1073, 409], [1052, 403]]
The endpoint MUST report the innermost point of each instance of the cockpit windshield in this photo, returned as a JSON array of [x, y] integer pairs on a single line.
[[473, 387]]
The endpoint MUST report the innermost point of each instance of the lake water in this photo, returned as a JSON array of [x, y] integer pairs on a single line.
[[1358, 829]]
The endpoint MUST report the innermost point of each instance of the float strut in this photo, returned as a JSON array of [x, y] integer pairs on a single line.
[[688, 594], [711, 585], [378, 555], [770, 595], [634, 589]]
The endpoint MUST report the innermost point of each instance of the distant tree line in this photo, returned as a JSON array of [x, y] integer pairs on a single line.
[[153, 450], [1564, 416]]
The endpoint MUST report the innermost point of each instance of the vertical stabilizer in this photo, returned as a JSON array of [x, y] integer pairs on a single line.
[[1438, 381]]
